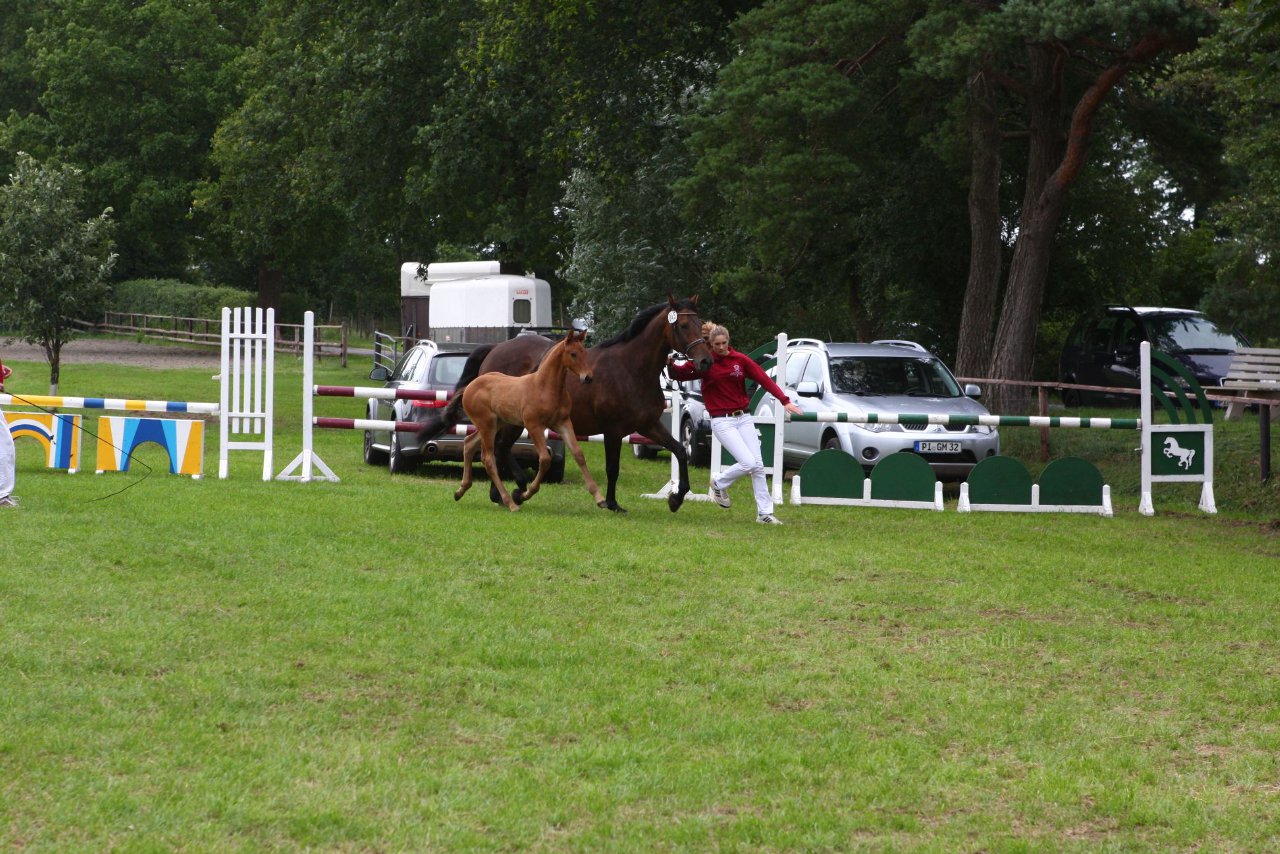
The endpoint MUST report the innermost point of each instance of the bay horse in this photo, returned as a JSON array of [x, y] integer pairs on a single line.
[[537, 402], [624, 397]]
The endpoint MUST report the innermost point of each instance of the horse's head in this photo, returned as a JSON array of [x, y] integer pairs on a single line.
[[1169, 442], [684, 331], [573, 355]]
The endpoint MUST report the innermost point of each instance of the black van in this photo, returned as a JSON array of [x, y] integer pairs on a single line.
[[1102, 349]]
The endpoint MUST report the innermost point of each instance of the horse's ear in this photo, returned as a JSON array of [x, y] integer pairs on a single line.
[[671, 299], [694, 299]]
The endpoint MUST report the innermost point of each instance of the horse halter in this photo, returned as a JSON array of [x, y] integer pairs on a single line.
[[671, 319]]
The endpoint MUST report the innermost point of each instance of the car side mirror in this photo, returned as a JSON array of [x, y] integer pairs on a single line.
[[971, 390], [808, 388], [380, 374]]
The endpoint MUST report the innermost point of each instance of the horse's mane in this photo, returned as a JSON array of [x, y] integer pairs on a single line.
[[641, 320]]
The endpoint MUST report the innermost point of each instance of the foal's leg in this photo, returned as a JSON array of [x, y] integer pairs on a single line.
[[507, 462], [537, 435], [468, 455], [491, 466], [571, 442]]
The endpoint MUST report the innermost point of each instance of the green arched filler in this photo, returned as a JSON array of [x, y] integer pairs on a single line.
[[1162, 366], [831, 473], [1071, 481], [903, 476], [999, 480]]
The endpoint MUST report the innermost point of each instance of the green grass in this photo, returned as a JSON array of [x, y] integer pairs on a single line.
[[368, 665]]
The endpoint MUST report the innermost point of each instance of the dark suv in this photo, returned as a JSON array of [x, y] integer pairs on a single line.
[[1102, 349], [428, 366]]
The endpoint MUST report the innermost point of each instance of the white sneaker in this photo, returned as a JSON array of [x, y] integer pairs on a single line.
[[719, 496], [768, 519], [8, 501]]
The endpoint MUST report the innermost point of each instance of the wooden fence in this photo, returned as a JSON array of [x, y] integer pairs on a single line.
[[330, 340]]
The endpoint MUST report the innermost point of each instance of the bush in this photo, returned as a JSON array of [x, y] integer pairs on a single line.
[[175, 298]]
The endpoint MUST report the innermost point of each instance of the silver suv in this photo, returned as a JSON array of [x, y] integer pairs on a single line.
[[426, 366], [890, 377]]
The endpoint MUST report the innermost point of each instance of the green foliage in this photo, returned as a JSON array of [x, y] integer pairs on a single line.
[[132, 93], [53, 265], [175, 298]]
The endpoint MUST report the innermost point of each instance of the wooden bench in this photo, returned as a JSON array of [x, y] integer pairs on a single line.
[[1254, 377], [1254, 373]]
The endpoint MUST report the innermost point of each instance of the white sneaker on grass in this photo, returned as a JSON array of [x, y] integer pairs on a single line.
[[768, 519], [8, 501], [719, 496]]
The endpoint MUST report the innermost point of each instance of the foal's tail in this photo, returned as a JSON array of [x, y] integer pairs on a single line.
[[447, 417]]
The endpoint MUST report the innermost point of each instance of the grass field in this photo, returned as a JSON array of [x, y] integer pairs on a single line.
[[369, 666]]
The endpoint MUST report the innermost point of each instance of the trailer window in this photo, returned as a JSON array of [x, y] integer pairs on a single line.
[[522, 311]]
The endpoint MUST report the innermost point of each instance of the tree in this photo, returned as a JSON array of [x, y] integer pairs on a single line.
[[131, 93], [1241, 67], [1054, 66], [311, 169], [836, 205], [53, 265]]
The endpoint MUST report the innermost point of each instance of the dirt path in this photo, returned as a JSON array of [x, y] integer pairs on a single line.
[[119, 351]]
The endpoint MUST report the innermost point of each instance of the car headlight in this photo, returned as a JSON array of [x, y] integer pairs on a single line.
[[877, 428]]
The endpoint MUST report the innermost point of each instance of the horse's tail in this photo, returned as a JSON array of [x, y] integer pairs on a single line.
[[448, 416]]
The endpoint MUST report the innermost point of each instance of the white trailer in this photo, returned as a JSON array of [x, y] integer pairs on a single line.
[[471, 301]]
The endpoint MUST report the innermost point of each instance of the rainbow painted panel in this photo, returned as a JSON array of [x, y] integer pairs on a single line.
[[119, 436], [58, 434]]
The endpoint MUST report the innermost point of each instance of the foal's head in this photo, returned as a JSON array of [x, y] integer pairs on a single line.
[[573, 355]]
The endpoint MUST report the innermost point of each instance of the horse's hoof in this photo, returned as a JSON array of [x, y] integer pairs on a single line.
[[518, 497], [513, 507], [615, 507], [674, 500], [602, 504], [457, 496]]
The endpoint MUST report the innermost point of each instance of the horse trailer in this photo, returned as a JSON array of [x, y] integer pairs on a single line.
[[476, 302]]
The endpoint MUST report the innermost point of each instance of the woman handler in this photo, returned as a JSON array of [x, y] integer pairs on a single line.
[[724, 393]]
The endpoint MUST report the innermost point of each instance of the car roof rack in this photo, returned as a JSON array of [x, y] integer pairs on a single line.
[[901, 342]]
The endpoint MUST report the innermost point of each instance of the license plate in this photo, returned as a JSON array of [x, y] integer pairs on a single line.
[[937, 447]]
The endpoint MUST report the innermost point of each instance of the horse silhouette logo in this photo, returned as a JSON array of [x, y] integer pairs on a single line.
[[1184, 455]]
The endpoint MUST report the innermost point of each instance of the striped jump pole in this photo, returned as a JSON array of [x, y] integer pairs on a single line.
[[458, 430], [366, 392], [123, 404], [920, 419]]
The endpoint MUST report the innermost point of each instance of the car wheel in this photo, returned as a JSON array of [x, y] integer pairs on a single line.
[[644, 452], [372, 456], [697, 457], [831, 442], [555, 473], [397, 461]]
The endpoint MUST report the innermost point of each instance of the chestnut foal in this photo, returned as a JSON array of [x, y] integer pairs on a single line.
[[538, 401]]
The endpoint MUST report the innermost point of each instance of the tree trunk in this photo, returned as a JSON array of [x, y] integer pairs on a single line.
[[53, 354], [973, 350], [270, 285], [1053, 166]]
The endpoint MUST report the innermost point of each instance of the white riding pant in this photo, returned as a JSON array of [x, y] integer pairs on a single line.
[[737, 433], [8, 459]]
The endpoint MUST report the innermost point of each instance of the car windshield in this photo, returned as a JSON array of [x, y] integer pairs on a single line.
[[881, 375], [1173, 334]]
